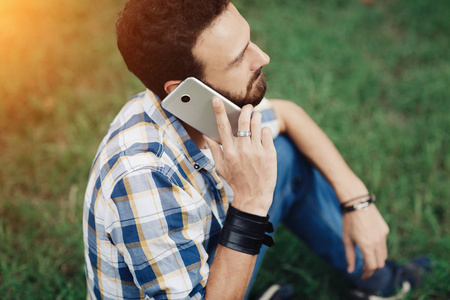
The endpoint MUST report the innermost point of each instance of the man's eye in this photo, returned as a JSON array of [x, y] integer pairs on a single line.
[[240, 60]]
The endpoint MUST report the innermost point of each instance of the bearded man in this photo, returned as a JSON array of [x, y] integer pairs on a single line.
[[171, 214]]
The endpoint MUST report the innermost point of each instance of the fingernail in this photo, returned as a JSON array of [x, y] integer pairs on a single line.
[[216, 102]]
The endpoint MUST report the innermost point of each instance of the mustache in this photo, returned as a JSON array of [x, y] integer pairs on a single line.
[[256, 75], [253, 79]]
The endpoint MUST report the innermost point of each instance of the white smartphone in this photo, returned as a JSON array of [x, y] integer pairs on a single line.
[[191, 102]]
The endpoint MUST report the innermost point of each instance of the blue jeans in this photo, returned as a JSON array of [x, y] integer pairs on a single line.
[[306, 203]]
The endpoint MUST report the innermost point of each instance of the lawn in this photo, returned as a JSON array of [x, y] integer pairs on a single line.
[[374, 77]]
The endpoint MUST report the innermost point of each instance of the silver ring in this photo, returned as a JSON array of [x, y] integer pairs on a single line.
[[244, 133]]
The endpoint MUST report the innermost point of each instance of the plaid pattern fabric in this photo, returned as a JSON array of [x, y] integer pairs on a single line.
[[154, 207]]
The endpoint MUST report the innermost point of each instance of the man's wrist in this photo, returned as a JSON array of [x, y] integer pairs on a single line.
[[349, 188], [357, 203], [256, 207], [245, 232]]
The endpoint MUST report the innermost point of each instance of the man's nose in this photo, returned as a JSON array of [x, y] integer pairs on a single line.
[[260, 58]]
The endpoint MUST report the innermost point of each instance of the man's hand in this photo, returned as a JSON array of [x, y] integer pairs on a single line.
[[367, 229], [248, 164]]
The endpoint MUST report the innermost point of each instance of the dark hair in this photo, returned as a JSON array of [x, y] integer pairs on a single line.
[[156, 37]]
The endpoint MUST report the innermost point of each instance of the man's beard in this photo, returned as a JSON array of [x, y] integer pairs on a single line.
[[254, 94]]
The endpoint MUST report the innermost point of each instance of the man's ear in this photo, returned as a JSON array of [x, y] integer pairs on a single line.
[[170, 85]]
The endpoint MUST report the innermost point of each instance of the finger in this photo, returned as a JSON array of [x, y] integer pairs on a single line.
[[223, 124], [370, 264], [385, 251], [255, 127], [381, 253], [216, 151], [244, 118], [367, 273], [266, 138], [350, 254], [384, 242]]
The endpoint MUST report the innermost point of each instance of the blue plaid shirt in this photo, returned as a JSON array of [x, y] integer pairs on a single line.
[[154, 207]]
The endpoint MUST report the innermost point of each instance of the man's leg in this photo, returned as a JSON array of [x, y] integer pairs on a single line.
[[307, 204]]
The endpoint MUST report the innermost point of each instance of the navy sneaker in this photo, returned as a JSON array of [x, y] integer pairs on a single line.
[[408, 276]]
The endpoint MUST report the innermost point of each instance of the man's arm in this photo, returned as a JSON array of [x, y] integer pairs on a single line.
[[248, 164], [230, 274], [148, 232], [366, 229], [162, 244]]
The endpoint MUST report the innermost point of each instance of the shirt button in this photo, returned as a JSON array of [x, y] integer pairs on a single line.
[[196, 166], [219, 185]]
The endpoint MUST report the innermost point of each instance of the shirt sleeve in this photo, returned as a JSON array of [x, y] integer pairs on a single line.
[[156, 227], [269, 118]]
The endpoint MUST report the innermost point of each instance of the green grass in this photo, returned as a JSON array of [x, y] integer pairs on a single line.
[[375, 78]]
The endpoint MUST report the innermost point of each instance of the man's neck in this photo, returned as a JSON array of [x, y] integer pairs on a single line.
[[195, 135]]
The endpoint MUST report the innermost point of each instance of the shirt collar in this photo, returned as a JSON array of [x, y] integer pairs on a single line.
[[163, 118]]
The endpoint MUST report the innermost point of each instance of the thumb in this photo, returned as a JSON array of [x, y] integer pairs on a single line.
[[216, 150], [350, 254]]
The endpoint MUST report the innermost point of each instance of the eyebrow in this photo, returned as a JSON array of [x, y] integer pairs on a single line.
[[238, 58]]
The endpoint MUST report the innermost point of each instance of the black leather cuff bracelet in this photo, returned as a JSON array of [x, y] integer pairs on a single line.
[[245, 232], [358, 206]]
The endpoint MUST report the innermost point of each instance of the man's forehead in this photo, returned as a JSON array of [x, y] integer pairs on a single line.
[[224, 39]]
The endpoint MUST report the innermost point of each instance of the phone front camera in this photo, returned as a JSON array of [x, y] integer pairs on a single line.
[[185, 98]]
